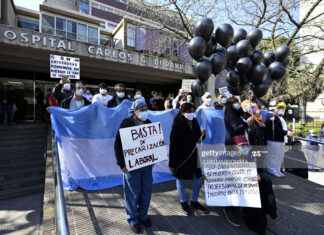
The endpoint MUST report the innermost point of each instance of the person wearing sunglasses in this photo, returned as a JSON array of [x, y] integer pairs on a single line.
[[76, 100]]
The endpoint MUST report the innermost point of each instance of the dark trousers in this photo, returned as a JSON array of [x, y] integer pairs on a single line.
[[6, 109]]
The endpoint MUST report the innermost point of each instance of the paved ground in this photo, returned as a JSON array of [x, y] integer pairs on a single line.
[[21, 216], [300, 211]]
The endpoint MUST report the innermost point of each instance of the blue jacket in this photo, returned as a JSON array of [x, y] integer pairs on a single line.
[[274, 130]]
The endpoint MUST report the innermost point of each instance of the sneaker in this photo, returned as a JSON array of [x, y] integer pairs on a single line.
[[198, 206], [230, 216], [186, 208], [136, 228], [147, 223]]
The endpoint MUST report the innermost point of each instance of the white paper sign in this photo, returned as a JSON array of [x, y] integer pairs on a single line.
[[143, 145], [232, 184], [186, 84], [64, 66], [225, 91]]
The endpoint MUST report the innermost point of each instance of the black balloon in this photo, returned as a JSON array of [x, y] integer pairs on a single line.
[[258, 73], [211, 45], [221, 50], [204, 28], [282, 53], [197, 47], [244, 82], [224, 34], [277, 72], [203, 69], [244, 65], [198, 88], [286, 62], [234, 90], [257, 57], [231, 54], [218, 62], [230, 65], [262, 89], [243, 48], [269, 57], [255, 37], [239, 35], [273, 65], [233, 78]]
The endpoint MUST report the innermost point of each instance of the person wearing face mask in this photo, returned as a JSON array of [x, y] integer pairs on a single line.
[[295, 161], [137, 184], [168, 101], [181, 100], [139, 95], [102, 97], [77, 100], [62, 90], [221, 102], [235, 123], [88, 95], [119, 97], [276, 132], [312, 150], [207, 101], [185, 134], [175, 101]]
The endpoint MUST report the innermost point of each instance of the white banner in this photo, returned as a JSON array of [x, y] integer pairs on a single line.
[[232, 184], [143, 145], [64, 66], [186, 84]]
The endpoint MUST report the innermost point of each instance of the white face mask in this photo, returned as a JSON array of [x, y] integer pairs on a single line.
[[79, 92], [189, 116], [103, 91], [138, 97], [67, 86], [121, 95], [87, 92], [208, 101], [244, 150], [281, 112], [142, 116]]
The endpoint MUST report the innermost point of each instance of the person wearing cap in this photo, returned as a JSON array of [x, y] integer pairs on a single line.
[[207, 101], [312, 150], [276, 134], [119, 97], [137, 184], [102, 97], [62, 90]]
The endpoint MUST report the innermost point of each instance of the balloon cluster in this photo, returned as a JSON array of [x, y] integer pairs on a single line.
[[236, 52]]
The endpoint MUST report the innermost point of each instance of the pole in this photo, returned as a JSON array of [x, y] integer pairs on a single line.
[[34, 98]]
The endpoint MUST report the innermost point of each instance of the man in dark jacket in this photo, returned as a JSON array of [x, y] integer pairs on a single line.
[[7, 101], [63, 90], [137, 183], [77, 100], [119, 96]]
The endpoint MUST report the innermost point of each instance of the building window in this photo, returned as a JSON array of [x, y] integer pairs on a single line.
[[92, 35], [104, 40], [26, 23], [60, 27], [111, 27], [130, 36], [102, 24], [84, 6], [168, 47], [175, 49], [82, 32], [48, 25], [71, 29]]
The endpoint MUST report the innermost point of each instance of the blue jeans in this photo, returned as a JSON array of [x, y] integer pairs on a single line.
[[137, 194], [196, 185]]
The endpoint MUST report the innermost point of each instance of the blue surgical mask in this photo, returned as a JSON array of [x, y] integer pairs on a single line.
[[138, 97], [189, 116], [236, 106], [244, 150], [121, 95], [143, 116], [223, 100], [208, 101]]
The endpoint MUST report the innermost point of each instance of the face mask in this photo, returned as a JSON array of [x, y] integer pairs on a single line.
[[171, 98], [208, 101], [189, 116], [138, 97], [281, 112], [223, 100], [189, 99], [103, 91], [121, 95], [79, 92], [88, 92], [182, 102], [143, 116], [67, 86], [244, 150], [236, 106]]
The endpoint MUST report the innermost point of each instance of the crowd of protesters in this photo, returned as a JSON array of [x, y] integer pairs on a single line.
[[247, 131]]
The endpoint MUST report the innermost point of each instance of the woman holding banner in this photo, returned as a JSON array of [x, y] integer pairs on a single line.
[[137, 184], [183, 160]]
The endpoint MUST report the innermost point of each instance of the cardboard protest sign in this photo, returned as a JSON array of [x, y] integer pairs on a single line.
[[143, 145], [232, 184], [63, 65]]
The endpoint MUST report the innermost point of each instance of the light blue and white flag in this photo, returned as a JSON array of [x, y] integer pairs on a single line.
[[85, 142]]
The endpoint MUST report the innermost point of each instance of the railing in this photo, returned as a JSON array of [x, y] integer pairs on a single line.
[[61, 221]]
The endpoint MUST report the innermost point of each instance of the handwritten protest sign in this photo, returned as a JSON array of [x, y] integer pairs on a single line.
[[63, 65], [232, 184], [143, 145]]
